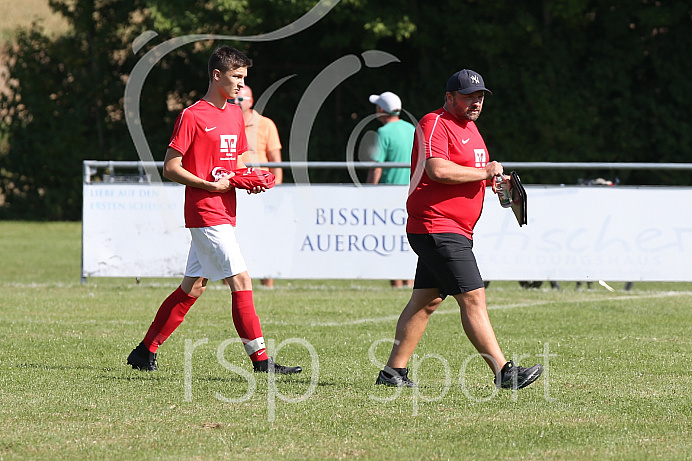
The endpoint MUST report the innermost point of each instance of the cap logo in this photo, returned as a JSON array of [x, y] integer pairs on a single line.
[[474, 79]]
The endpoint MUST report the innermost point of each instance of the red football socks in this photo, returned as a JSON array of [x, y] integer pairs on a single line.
[[173, 310], [247, 324], [168, 318]]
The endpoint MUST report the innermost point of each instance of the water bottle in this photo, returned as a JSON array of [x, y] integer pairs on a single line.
[[502, 188]]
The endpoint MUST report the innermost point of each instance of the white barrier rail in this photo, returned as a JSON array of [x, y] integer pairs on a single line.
[[90, 166], [346, 231]]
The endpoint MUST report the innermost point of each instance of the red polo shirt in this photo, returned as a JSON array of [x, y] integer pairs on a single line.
[[434, 207]]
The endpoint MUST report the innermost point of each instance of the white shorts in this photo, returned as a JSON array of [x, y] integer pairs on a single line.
[[214, 253]]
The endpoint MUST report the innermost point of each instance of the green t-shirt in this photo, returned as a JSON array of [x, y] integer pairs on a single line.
[[394, 144]]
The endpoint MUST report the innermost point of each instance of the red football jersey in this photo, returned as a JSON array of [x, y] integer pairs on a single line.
[[209, 137], [434, 207]]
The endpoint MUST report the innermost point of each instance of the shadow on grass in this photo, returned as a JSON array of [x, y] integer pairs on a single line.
[[288, 379], [43, 366], [133, 375], [140, 375]]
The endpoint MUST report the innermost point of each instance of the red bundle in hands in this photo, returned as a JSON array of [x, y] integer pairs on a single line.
[[246, 178]]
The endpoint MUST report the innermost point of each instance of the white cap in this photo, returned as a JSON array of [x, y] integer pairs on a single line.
[[388, 101]]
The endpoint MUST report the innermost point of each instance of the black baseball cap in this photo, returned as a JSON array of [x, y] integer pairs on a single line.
[[466, 82]]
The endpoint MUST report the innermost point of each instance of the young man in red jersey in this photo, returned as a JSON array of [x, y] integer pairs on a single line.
[[208, 137], [450, 170]]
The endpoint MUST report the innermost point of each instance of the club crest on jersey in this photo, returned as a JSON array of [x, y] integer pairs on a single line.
[[228, 145], [480, 158]]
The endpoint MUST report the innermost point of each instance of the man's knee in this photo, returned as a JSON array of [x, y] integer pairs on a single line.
[[240, 282], [471, 299], [433, 305], [194, 286]]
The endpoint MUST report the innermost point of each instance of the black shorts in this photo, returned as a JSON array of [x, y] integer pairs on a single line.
[[446, 262]]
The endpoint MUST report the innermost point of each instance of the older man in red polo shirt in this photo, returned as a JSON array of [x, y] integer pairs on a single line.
[[450, 171]]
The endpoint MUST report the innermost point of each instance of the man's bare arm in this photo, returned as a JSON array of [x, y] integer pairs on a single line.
[[173, 170], [448, 172]]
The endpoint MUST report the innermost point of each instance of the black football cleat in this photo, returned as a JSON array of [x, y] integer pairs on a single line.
[[270, 366], [514, 377], [141, 359], [395, 377]]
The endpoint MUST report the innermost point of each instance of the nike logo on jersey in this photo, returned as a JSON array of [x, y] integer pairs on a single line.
[[209, 129], [464, 141]]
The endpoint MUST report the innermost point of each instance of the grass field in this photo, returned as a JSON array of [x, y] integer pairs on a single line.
[[616, 387]]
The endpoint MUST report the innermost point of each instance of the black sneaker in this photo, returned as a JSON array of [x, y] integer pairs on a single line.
[[269, 365], [514, 377], [395, 377], [141, 359]]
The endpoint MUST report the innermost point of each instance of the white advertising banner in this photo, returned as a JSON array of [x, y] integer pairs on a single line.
[[326, 231], [133, 230], [589, 233], [348, 231]]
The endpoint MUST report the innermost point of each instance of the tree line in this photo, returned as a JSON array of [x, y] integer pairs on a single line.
[[572, 81]]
